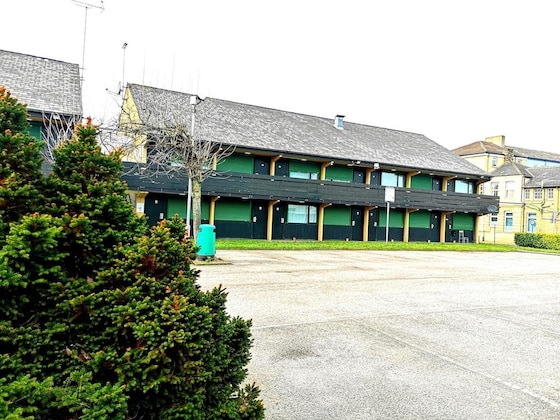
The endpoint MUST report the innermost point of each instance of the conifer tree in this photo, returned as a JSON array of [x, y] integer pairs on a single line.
[[100, 318], [20, 163]]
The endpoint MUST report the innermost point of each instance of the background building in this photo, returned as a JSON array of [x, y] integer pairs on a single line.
[[527, 183]]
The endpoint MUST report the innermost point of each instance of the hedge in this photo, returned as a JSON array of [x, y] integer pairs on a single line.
[[538, 240]]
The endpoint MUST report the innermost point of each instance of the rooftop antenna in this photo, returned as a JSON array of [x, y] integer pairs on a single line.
[[86, 7], [121, 87]]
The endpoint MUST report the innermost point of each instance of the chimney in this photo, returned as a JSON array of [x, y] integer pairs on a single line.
[[339, 122], [497, 140]]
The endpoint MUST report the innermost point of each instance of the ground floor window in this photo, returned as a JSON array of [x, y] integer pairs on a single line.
[[508, 223], [299, 213]]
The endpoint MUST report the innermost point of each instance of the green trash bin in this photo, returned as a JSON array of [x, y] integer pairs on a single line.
[[206, 240]]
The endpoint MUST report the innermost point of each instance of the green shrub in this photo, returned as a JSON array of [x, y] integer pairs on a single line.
[[538, 240]]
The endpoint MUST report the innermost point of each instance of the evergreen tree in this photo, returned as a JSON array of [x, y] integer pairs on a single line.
[[20, 163], [100, 318]]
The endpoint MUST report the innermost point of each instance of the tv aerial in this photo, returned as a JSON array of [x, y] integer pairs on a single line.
[[86, 7]]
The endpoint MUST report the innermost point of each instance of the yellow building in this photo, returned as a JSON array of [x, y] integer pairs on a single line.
[[527, 182]]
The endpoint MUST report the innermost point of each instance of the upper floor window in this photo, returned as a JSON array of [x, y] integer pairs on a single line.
[[550, 193], [526, 194], [510, 189], [299, 213], [495, 187], [494, 161], [537, 195], [463, 186], [392, 179]]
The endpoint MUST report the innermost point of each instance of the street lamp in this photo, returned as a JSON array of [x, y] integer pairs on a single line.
[[195, 100]]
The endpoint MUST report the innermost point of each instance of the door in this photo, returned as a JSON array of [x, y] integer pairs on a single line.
[[357, 222], [373, 225], [359, 176], [261, 166], [281, 168], [156, 208], [436, 184], [259, 213], [531, 222], [280, 212], [434, 227]]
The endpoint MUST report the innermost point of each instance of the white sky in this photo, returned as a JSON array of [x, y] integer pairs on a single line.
[[455, 71]]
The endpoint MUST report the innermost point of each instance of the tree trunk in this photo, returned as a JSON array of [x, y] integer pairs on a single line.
[[196, 206]]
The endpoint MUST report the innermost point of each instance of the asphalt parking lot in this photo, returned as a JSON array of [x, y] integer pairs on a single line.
[[399, 335]]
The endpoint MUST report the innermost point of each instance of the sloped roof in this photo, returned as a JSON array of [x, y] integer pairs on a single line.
[[486, 147], [282, 132], [45, 85], [510, 169], [546, 176]]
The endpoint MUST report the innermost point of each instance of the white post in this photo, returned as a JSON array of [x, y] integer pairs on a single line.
[[387, 225]]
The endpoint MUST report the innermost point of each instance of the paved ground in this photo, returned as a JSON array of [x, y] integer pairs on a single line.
[[399, 335]]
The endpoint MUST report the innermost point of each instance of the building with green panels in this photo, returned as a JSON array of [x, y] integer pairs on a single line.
[[294, 176], [51, 89]]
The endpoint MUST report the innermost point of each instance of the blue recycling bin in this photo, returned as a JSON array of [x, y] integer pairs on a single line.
[[206, 240]]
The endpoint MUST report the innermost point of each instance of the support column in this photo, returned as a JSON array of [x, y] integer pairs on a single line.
[[212, 211], [320, 220], [140, 202], [270, 219], [324, 167], [273, 161]]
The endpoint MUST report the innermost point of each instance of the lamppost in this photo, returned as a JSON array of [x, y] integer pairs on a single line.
[[194, 101]]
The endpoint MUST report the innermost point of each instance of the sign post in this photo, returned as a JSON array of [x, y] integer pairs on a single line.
[[389, 198]]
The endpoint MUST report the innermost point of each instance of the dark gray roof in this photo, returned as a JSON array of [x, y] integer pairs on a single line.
[[511, 168], [545, 176], [282, 132], [45, 85]]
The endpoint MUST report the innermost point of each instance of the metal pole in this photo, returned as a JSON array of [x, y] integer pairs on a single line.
[[387, 225], [189, 190]]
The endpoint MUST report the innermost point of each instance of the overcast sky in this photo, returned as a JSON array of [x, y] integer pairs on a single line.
[[455, 71]]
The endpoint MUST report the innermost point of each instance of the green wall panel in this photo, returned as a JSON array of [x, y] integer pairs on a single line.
[[237, 163], [396, 218], [421, 182], [419, 219], [239, 211], [176, 205], [339, 173], [337, 216], [463, 221], [307, 167], [35, 130]]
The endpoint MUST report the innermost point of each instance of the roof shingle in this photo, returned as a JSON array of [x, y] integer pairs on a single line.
[[272, 130], [45, 85]]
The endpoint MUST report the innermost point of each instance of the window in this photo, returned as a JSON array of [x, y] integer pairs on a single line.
[[510, 189], [537, 195], [495, 187], [508, 221], [550, 193], [298, 213], [494, 161], [304, 175], [462, 186], [391, 179], [527, 194]]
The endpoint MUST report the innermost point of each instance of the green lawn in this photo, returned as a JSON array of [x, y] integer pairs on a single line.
[[254, 244]]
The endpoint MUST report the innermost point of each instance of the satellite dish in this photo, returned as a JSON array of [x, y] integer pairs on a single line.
[[492, 208]]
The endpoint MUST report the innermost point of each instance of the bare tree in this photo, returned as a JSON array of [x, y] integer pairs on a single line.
[[56, 129], [168, 142]]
